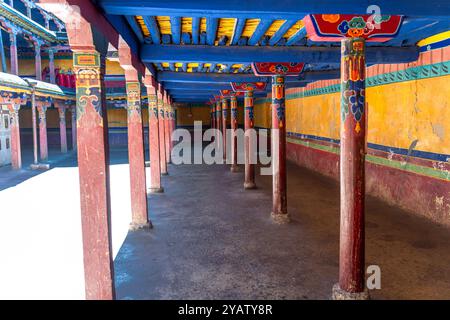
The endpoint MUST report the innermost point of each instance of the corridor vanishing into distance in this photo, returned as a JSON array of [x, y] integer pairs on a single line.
[[210, 244], [328, 121]]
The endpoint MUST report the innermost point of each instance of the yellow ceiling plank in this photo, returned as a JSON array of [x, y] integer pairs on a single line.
[[143, 26], [226, 28], [164, 24], [274, 27], [297, 26], [203, 25], [250, 26], [186, 25]]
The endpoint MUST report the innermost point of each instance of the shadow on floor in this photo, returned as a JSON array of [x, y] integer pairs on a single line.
[[213, 240]]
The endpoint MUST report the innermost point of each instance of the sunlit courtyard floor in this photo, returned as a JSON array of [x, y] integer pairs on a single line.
[[40, 227]]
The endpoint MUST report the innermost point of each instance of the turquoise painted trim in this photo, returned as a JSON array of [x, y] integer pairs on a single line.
[[409, 167], [426, 155]]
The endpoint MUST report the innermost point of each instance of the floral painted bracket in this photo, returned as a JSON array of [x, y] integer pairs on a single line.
[[334, 27], [277, 68], [246, 86]]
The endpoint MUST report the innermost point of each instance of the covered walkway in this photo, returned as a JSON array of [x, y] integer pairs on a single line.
[[211, 244], [355, 93], [207, 244]]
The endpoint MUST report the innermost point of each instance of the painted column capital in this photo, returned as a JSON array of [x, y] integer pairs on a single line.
[[133, 96], [41, 107], [14, 108], [13, 38], [153, 105], [51, 53]]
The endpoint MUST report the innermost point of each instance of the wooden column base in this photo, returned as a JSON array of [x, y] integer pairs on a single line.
[[280, 218], [155, 190], [234, 168], [140, 226], [40, 166], [249, 185], [339, 294]]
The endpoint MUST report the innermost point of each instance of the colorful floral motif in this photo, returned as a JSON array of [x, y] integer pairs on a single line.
[[280, 68], [234, 113], [371, 27], [153, 104], [353, 81], [88, 67], [245, 86], [249, 110], [133, 97]]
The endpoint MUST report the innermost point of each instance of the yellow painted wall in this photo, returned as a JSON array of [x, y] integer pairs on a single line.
[[186, 116], [52, 118], [398, 113], [262, 114], [203, 113], [116, 118]]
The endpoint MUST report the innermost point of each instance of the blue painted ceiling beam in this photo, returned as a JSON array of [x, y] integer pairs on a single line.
[[236, 54], [195, 30], [178, 94], [225, 78], [136, 29], [413, 31], [211, 30], [260, 30], [121, 25], [175, 27], [193, 86], [237, 32], [206, 77], [281, 31], [319, 75], [153, 28], [296, 37], [269, 9]]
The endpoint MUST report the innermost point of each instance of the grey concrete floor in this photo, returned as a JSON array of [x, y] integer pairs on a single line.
[[213, 240]]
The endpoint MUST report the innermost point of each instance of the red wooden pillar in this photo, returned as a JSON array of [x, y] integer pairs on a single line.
[[249, 167], [38, 60], [218, 119], [214, 114], [224, 125], [43, 146], [212, 122], [162, 136], [352, 179], [51, 65], [93, 161], [16, 153], [172, 126], [166, 126], [136, 156], [74, 127], [62, 127], [153, 136], [279, 185], [219, 115], [234, 127], [14, 69]]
